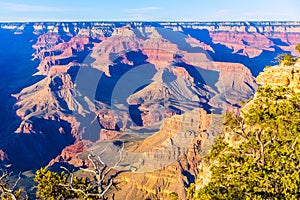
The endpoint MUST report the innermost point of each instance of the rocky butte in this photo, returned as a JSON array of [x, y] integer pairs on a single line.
[[161, 88]]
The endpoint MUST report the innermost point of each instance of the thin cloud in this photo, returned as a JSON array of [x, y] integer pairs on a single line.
[[142, 9], [16, 7], [223, 12], [30, 8]]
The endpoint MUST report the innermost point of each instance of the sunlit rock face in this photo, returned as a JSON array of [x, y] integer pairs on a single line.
[[281, 75], [68, 88]]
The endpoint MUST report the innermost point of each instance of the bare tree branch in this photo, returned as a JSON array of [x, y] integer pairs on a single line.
[[102, 175], [262, 153], [118, 162], [267, 143], [17, 181], [295, 142], [5, 190]]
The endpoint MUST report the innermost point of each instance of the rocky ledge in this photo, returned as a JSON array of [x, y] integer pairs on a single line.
[[281, 75]]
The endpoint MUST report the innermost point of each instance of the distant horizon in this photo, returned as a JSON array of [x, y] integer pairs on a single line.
[[150, 10], [154, 21]]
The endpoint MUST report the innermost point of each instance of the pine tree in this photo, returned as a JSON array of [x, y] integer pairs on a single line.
[[262, 160]]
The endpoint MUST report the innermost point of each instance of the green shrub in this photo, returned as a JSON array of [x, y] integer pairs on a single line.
[[298, 47], [265, 165], [287, 60]]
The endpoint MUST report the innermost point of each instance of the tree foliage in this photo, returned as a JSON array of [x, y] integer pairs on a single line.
[[298, 47], [53, 186], [287, 60], [265, 163]]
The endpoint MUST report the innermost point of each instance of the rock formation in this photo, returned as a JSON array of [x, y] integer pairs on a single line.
[[280, 75], [83, 98]]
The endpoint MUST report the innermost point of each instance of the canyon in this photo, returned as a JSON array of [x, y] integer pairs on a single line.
[[75, 88]]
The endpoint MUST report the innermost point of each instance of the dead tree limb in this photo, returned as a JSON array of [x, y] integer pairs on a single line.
[[7, 191], [103, 175]]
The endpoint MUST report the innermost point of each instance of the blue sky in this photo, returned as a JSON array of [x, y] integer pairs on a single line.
[[149, 10]]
